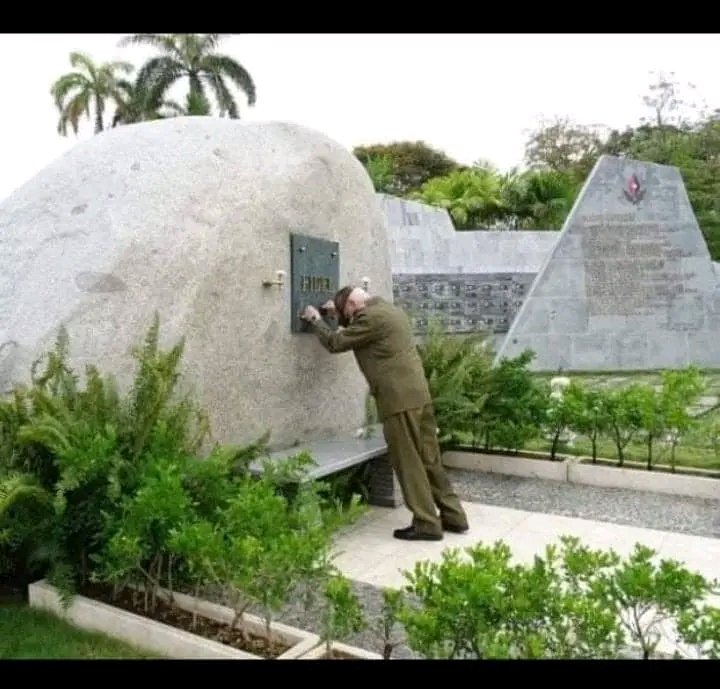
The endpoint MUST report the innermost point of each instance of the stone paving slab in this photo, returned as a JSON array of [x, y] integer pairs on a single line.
[[367, 551]]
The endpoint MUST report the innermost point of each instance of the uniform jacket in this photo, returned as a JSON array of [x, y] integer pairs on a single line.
[[380, 337]]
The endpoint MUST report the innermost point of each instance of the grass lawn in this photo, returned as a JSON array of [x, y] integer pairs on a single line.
[[29, 634]]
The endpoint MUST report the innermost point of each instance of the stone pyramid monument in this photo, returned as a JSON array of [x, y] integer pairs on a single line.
[[630, 283]]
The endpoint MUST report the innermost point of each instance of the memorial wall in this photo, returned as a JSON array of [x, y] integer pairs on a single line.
[[469, 281]]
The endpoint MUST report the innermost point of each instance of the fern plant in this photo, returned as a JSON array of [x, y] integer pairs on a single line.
[[25, 510], [86, 445], [457, 368]]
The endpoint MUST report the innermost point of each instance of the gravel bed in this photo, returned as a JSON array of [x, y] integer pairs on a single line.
[[370, 598], [686, 515]]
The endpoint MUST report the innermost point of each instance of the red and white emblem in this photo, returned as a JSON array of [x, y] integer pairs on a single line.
[[633, 191]]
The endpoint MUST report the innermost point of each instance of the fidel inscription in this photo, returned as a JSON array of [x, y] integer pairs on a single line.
[[314, 274]]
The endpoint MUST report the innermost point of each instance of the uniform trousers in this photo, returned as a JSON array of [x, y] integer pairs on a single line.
[[414, 453]]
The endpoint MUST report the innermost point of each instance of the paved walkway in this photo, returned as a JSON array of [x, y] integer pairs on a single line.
[[369, 553]]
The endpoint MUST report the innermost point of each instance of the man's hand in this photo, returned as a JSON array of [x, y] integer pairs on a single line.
[[310, 314], [329, 308]]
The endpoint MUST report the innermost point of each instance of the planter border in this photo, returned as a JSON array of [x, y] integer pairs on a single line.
[[579, 470], [536, 467], [150, 635], [318, 652], [299, 640]]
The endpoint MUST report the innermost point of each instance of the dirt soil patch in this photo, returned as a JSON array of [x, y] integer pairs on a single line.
[[176, 617]]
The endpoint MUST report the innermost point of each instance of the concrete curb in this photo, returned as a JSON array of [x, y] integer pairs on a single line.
[[574, 470], [163, 639], [504, 464], [318, 653]]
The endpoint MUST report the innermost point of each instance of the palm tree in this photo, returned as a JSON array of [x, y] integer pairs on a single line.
[[472, 197], [192, 56], [135, 106], [539, 199], [89, 86]]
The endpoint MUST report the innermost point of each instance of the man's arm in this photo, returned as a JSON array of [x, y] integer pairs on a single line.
[[361, 332]]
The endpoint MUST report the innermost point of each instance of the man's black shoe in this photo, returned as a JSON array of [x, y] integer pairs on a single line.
[[410, 533], [454, 528]]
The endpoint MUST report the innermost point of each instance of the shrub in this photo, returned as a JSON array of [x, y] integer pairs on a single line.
[[515, 407], [573, 602], [87, 450], [342, 613], [113, 490], [457, 368]]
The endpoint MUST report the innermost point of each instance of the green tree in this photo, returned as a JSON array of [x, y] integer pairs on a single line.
[[381, 170], [652, 417], [90, 87], [680, 391], [133, 105], [472, 197], [562, 410], [564, 146], [193, 56], [414, 163], [624, 416], [591, 419], [538, 199]]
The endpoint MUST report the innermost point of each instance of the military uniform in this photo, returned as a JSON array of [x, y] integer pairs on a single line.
[[381, 339]]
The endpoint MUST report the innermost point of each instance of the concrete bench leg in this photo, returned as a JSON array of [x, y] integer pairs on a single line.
[[384, 487]]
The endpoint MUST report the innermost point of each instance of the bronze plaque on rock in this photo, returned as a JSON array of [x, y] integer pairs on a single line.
[[315, 275]]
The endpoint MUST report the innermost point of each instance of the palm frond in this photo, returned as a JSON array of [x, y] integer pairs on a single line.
[[225, 99], [73, 111], [210, 41], [65, 84], [164, 42], [157, 75], [174, 107], [226, 66], [78, 59], [119, 66]]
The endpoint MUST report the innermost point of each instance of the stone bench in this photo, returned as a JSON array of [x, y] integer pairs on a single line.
[[337, 454]]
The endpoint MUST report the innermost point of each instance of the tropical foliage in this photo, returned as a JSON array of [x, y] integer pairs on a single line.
[[93, 90], [559, 156], [87, 91], [193, 56]]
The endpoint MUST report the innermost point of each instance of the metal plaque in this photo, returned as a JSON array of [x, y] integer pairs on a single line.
[[315, 276]]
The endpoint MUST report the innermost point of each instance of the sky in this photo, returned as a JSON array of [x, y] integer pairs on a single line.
[[473, 96]]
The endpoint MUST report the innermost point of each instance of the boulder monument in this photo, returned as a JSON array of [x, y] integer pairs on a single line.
[[222, 227]]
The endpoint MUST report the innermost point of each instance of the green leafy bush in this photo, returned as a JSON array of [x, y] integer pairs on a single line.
[[342, 613], [505, 406], [456, 369], [99, 488], [572, 602], [86, 449]]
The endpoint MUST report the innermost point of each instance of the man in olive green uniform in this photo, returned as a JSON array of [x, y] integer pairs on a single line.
[[379, 335]]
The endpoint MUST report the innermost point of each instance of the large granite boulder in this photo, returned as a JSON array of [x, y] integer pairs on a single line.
[[187, 217]]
